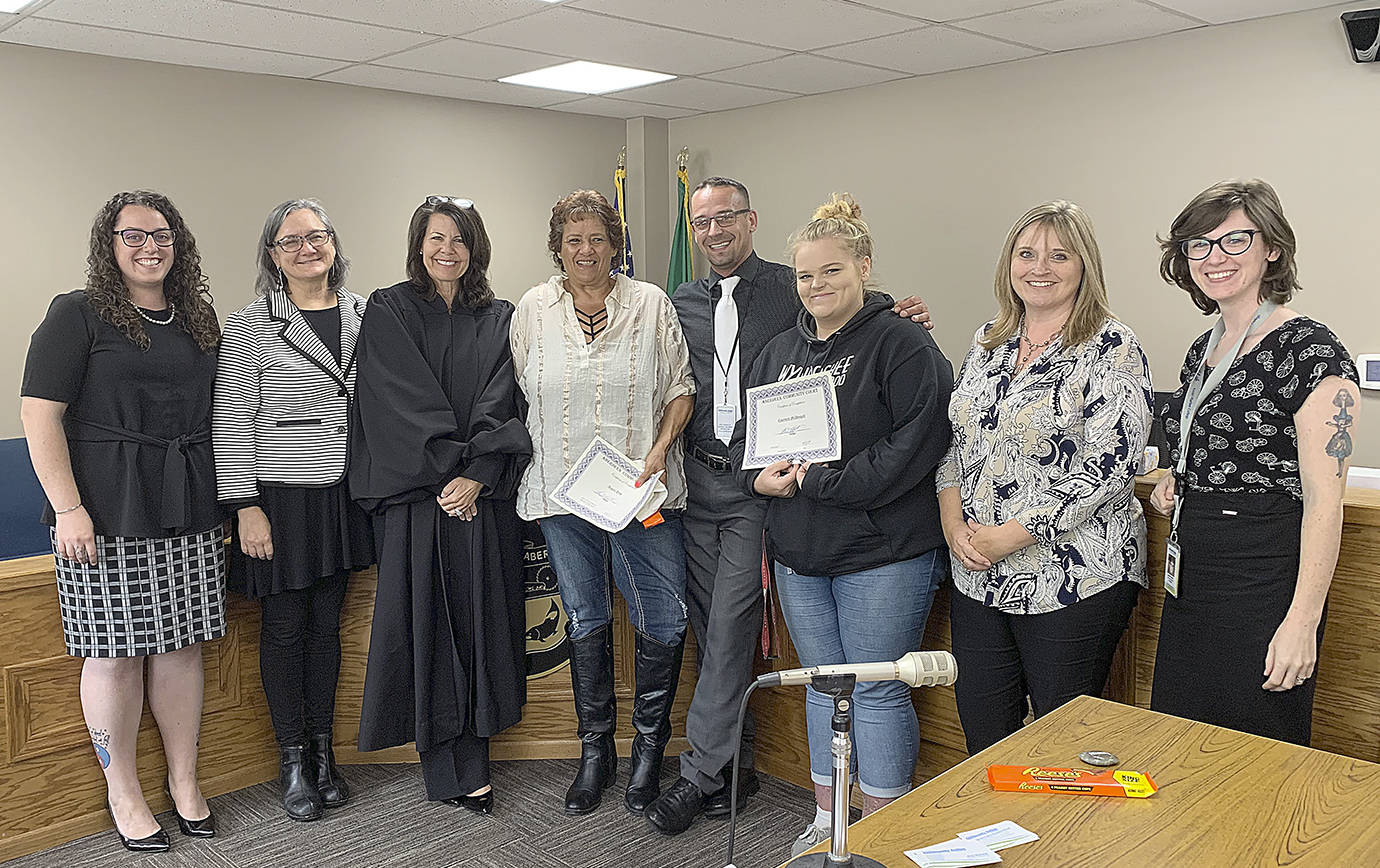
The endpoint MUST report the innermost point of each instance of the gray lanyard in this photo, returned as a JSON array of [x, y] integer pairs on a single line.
[[1198, 390]]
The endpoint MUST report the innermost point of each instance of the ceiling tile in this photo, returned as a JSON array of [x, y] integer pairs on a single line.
[[470, 59], [162, 49], [931, 49], [1066, 24], [442, 17], [617, 108], [805, 73], [594, 37], [428, 84], [794, 24], [232, 24], [1222, 11], [699, 93], [947, 10], [6, 19]]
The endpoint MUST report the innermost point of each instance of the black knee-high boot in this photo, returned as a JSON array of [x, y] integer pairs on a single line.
[[591, 676], [657, 670]]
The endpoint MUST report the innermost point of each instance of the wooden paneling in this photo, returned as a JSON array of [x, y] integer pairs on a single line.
[[1346, 717], [51, 789]]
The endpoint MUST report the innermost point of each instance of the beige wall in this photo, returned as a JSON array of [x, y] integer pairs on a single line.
[[227, 147], [944, 164]]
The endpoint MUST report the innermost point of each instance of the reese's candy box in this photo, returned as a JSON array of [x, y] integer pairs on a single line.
[[1078, 782]]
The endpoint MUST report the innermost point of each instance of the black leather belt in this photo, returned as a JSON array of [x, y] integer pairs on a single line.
[[716, 463]]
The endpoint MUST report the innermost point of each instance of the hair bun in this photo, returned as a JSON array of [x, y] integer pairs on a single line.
[[841, 206]]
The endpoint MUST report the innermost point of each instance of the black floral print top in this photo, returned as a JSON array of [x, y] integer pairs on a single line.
[[1244, 438]]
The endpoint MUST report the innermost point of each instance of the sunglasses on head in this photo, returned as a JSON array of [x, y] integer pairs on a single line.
[[462, 204]]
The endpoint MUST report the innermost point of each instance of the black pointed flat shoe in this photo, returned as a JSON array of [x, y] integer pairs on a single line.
[[155, 843], [203, 828], [480, 804]]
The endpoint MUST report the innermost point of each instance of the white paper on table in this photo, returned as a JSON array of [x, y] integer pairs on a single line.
[[999, 836], [599, 488], [957, 853], [793, 420]]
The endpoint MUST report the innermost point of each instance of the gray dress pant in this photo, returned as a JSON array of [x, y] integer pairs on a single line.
[[723, 552]]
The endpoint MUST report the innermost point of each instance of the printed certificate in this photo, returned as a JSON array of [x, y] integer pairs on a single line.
[[793, 420], [599, 488]]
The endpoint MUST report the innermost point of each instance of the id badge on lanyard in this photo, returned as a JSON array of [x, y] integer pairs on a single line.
[[1194, 396]]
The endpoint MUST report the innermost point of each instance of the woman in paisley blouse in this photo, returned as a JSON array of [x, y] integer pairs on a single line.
[[1260, 474], [1050, 416]]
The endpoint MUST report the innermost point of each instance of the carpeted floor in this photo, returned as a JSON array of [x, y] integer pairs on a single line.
[[389, 823]]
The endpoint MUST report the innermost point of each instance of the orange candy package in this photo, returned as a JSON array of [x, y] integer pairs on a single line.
[[1079, 782]]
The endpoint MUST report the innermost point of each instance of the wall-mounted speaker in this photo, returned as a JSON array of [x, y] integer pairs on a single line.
[[1363, 34]]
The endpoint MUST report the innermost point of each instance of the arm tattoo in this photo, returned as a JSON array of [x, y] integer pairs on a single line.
[[1339, 446]]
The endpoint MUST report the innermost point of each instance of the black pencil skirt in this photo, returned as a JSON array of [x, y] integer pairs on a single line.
[[1239, 565]]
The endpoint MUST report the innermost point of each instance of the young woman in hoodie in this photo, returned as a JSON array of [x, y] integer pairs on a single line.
[[857, 542]]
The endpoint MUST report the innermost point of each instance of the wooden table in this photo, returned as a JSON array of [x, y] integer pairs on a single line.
[[1225, 798]]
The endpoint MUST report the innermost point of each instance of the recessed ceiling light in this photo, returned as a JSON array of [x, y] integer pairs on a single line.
[[582, 76], [13, 5]]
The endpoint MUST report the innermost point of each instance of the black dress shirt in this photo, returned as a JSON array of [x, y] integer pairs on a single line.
[[767, 306]]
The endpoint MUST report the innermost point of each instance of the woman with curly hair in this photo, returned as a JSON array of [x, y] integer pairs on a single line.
[[435, 454], [117, 412]]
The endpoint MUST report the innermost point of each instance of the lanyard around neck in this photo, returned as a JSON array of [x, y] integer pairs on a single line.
[[1200, 387]]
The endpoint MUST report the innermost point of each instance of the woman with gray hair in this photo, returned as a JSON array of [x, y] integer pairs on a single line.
[[280, 429]]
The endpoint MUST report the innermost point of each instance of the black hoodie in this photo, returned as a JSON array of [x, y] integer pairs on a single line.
[[877, 504]]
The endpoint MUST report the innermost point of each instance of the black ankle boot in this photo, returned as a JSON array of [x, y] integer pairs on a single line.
[[657, 670], [591, 676], [301, 798], [334, 789]]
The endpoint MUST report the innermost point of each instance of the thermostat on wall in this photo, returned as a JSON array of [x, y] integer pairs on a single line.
[[1369, 366]]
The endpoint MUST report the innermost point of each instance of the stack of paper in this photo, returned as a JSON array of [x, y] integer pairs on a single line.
[[974, 847]]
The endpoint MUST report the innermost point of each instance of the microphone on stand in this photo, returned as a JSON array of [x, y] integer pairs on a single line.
[[918, 669]]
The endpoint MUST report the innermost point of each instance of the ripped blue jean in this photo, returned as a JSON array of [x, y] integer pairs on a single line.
[[648, 567]]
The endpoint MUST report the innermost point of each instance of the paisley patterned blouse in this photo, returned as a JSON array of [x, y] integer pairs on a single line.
[[1054, 447], [1244, 438]]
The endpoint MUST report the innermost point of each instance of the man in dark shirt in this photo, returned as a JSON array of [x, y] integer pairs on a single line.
[[727, 316]]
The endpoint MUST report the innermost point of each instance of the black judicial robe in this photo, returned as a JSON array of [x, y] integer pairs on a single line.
[[437, 398]]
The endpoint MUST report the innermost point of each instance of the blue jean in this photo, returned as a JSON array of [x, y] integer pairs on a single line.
[[648, 567], [864, 617]]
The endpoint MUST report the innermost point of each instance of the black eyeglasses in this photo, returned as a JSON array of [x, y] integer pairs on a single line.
[[137, 237], [1233, 244], [293, 243], [462, 204], [725, 219]]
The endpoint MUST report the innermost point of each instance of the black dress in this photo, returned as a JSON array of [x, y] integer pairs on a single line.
[[138, 426], [436, 399], [1239, 534]]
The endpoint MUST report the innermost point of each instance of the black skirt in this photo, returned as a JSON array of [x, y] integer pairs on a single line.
[[1239, 562], [317, 533]]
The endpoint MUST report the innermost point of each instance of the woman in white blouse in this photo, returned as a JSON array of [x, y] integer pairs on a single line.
[[602, 355], [1050, 416]]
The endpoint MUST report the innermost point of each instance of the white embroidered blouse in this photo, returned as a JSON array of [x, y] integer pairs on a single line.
[[616, 387]]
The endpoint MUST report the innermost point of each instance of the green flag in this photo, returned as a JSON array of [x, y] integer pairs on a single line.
[[681, 270]]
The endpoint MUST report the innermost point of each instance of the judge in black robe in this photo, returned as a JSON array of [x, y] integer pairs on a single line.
[[437, 400]]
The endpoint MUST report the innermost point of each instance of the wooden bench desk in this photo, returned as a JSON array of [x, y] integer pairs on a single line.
[[1225, 799]]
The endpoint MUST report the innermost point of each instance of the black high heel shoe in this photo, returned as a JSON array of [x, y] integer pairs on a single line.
[[480, 804], [155, 843], [203, 828]]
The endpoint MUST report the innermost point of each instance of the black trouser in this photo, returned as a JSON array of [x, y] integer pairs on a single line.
[[456, 767], [1051, 657], [299, 658]]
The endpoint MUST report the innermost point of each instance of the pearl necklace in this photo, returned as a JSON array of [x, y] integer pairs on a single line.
[[172, 312]]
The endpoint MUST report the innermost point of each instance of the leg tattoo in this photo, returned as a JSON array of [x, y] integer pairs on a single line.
[[100, 740]]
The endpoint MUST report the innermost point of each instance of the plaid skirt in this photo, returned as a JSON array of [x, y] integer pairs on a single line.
[[144, 595]]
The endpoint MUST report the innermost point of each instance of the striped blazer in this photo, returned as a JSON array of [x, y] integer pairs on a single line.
[[282, 403]]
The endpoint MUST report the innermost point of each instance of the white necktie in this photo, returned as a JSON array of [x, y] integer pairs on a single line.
[[726, 380]]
